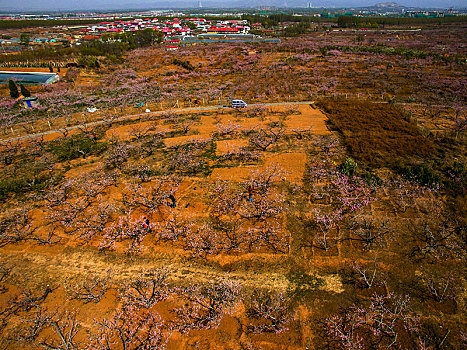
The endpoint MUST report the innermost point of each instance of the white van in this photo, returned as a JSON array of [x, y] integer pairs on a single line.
[[239, 104]]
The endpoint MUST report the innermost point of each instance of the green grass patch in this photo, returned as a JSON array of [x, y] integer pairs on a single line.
[[76, 146]]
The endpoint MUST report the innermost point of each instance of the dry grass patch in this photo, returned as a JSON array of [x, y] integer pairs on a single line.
[[376, 133]]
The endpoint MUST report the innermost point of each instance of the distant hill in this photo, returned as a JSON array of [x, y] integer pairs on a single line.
[[388, 6]]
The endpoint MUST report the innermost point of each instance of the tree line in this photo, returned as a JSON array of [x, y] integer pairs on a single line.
[[352, 21], [31, 23]]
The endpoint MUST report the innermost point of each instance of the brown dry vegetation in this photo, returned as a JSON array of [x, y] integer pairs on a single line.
[[376, 133]]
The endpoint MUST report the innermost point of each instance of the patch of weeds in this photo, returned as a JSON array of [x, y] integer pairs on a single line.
[[302, 284], [419, 173], [20, 185], [31, 178], [210, 152], [185, 64], [371, 178], [76, 146], [455, 177], [207, 170]]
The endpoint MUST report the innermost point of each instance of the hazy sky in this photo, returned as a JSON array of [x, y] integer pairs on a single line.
[[30, 5]]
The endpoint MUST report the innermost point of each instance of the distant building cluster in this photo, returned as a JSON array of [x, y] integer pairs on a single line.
[[174, 30], [50, 39], [175, 26]]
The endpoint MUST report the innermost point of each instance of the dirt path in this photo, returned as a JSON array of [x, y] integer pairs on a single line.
[[140, 115], [75, 263], [46, 265]]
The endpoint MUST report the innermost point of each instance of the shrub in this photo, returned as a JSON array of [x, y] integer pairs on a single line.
[[25, 92], [91, 62], [13, 89], [348, 167], [371, 178], [420, 173], [102, 48], [185, 64], [296, 29], [323, 50]]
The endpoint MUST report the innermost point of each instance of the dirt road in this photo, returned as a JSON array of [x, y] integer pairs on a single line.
[[140, 115]]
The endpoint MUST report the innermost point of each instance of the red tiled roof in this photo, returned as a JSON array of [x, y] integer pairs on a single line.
[[222, 29]]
